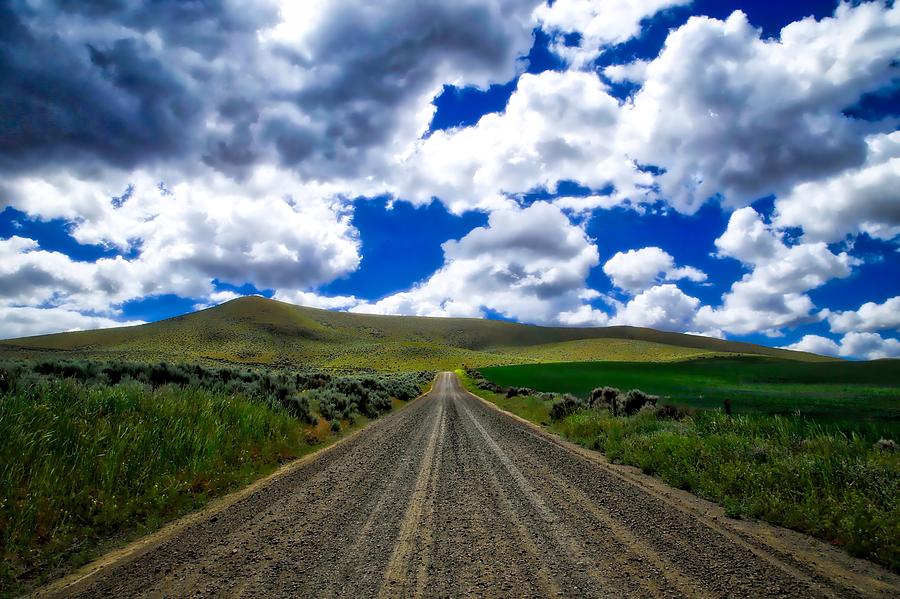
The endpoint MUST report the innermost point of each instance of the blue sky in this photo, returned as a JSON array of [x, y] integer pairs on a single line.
[[721, 168]]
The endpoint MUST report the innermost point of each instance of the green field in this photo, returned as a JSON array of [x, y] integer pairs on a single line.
[[838, 390], [259, 331]]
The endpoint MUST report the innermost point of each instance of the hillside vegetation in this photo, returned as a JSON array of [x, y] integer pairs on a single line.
[[255, 330]]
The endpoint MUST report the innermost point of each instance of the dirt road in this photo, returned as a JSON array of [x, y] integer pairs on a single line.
[[450, 497]]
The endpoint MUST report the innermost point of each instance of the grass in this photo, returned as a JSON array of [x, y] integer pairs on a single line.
[[838, 390], [620, 350], [819, 477], [80, 465], [263, 332]]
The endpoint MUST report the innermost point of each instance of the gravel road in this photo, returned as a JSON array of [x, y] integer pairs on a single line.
[[449, 497]]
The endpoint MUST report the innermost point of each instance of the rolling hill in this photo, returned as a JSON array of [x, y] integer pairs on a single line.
[[256, 330]]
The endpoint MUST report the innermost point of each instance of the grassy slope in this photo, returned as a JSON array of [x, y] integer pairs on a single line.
[[810, 476], [835, 390], [262, 331]]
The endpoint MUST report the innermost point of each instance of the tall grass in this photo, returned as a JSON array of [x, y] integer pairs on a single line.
[[801, 474], [79, 464]]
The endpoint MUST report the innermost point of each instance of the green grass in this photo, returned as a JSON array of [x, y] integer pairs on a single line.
[[82, 465], [619, 350], [789, 471], [258, 331], [820, 478], [838, 390]]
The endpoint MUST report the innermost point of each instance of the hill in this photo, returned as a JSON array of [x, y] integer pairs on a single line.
[[257, 330]]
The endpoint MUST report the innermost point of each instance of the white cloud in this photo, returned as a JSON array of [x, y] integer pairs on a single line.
[[556, 126], [870, 317], [529, 264], [269, 229], [721, 111], [726, 112], [635, 72], [217, 297], [582, 204], [637, 270], [601, 23], [816, 344], [772, 295], [23, 321], [663, 307], [868, 346], [583, 316], [863, 200], [31, 276], [714, 333], [314, 300]]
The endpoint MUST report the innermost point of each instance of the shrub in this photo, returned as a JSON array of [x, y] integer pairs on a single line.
[[487, 385], [603, 397], [632, 402], [315, 380], [331, 403], [298, 407], [515, 391], [569, 404], [648, 409], [335, 426], [670, 412], [886, 445]]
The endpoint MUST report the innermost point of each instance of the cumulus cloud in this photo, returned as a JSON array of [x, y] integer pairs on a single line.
[[314, 300], [868, 346], [585, 204], [863, 200], [727, 113], [24, 321], [327, 88], [557, 126], [772, 295], [721, 113], [816, 344], [598, 23], [217, 297], [529, 264], [269, 230], [870, 317], [635, 72], [364, 74], [663, 307], [636, 270]]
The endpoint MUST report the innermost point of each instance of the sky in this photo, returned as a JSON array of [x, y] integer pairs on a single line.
[[724, 168]]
